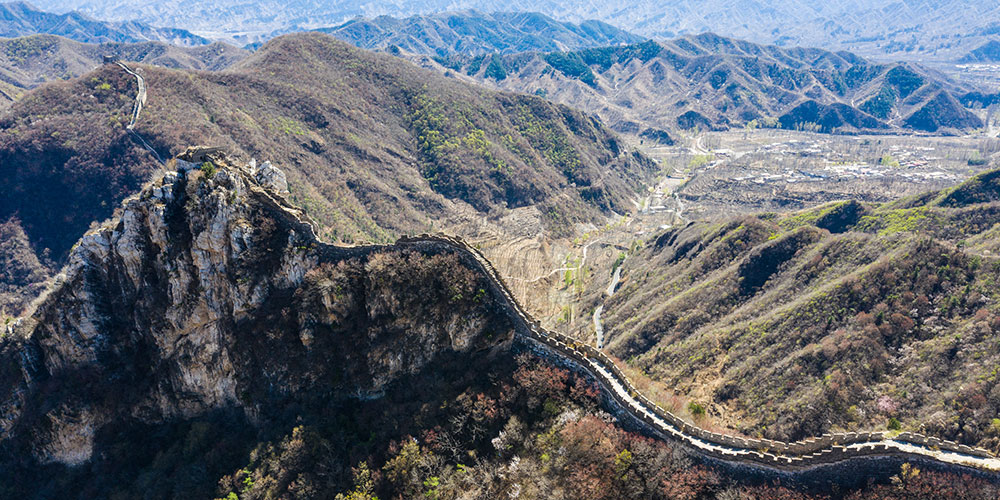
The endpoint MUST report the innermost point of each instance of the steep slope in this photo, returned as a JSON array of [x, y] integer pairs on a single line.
[[839, 318], [471, 32], [22, 275], [375, 147], [712, 81], [29, 61], [213, 298], [21, 19], [262, 363]]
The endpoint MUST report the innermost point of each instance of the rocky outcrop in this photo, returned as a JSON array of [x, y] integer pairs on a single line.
[[272, 178], [211, 293]]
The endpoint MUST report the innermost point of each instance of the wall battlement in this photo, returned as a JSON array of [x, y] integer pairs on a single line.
[[787, 456]]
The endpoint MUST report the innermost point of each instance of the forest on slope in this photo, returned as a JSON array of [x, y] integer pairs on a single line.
[[713, 82], [849, 316]]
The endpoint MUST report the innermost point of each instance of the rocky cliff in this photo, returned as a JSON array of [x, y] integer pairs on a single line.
[[210, 294]]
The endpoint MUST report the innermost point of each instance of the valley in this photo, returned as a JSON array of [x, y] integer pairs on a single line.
[[473, 256], [760, 170]]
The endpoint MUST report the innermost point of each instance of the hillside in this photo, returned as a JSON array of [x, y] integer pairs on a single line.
[[471, 32], [22, 274], [30, 61], [19, 19], [374, 146], [708, 81], [263, 363], [989, 52], [849, 316]]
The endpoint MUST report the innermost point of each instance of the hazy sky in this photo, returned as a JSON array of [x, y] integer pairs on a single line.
[[793, 22]]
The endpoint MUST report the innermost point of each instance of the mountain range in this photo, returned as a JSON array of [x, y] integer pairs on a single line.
[[829, 319], [27, 62], [212, 283], [477, 33], [712, 82], [374, 146], [21, 19], [706, 81], [262, 362], [944, 30]]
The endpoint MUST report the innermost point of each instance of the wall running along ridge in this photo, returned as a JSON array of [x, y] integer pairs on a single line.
[[786, 456], [760, 454]]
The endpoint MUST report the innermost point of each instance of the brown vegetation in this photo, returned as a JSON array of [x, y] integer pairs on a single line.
[[373, 146], [789, 330]]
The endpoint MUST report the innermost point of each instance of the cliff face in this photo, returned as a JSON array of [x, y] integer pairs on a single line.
[[209, 293]]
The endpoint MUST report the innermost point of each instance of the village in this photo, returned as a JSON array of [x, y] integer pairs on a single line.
[[721, 173]]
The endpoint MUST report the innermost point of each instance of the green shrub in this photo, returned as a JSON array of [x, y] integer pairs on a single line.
[[894, 424], [618, 261], [700, 160], [696, 409], [209, 169], [888, 161]]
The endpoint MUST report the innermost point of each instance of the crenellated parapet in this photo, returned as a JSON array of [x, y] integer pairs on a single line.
[[788, 456]]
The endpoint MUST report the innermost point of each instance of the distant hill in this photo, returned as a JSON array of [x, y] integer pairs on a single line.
[[27, 62], [471, 32], [945, 29], [988, 52], [711, 81], [21, 19], [375, 147]]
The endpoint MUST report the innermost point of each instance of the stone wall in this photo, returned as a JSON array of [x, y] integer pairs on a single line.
[[791, 456]]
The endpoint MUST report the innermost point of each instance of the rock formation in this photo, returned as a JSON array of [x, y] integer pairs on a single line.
[[210, 293]]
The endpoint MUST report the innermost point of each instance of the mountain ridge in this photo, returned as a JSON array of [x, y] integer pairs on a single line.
[[884, 28], [273, 306], [27, 62], [717, 82], [376, 146], [471, 32], [21, 19], [848, 315]]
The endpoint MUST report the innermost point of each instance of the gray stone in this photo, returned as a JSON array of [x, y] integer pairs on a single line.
[[272, 177]]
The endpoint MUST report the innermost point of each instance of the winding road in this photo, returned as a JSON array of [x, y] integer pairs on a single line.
[[598, 326]]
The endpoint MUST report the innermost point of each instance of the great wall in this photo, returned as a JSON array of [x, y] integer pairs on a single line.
[[786, 456], [760, 454], [140, 102]]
